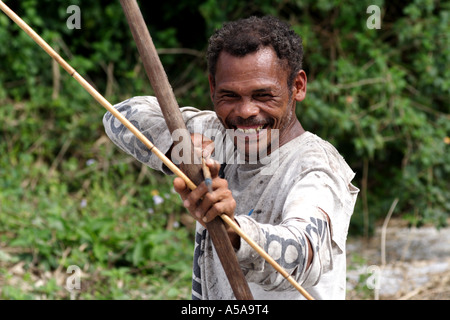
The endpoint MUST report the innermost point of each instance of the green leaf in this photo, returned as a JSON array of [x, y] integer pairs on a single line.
[[138, 253]]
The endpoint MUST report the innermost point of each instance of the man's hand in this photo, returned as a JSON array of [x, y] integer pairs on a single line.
[[202, 145], [205, 206]]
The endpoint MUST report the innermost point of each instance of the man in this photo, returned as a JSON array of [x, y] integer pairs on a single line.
[[299, 209]]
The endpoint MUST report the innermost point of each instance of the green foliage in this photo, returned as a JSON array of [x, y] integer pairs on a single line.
[[68, 196], [67, 208]]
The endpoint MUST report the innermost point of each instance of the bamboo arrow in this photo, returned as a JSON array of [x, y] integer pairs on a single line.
[[240, 287]]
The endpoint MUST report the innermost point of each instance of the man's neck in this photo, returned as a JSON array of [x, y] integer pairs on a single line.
[[293, 131]]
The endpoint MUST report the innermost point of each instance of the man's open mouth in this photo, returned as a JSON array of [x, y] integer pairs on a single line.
[[250, 129]]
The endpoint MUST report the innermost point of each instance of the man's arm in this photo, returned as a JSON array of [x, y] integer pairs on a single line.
[[145, 114], [299, 245]]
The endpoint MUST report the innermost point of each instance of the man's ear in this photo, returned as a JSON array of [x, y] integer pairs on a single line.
[[299, 86], [212, 85]]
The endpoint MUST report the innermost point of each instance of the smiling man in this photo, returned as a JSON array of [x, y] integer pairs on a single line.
[[251, 96], [300, 209]]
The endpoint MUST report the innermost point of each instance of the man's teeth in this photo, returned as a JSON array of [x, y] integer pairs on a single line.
[[250, 130]]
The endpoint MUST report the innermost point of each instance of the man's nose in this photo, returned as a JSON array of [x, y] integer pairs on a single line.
[[247, 109]]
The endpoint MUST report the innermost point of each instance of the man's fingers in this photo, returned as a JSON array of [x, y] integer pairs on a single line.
[[180, 186], [214, 167], [203, 205], [203, 146], [208, 149], [208, 200], [215, 203], [218, 209], [191, 198]]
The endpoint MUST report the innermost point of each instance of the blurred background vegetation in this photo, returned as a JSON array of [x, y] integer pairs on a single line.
[[69, 197]]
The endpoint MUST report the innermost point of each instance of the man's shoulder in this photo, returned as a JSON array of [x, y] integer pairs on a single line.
[[312, 150], [146, 100], [310, 144]]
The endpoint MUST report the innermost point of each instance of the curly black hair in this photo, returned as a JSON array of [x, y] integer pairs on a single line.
[[249, 35]]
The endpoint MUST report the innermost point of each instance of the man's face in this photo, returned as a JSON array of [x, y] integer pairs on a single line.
[[251, 96]]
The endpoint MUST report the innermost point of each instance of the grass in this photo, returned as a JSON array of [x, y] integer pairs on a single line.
[[67, 200], [127, 246]]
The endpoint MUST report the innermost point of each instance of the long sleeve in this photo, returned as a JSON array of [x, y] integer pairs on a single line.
[[145, 114], [287, 243]]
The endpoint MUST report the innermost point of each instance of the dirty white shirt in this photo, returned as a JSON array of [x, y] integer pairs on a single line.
[[280, 209]]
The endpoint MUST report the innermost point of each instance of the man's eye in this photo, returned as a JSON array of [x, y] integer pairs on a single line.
[[229, 95], [263, 95]]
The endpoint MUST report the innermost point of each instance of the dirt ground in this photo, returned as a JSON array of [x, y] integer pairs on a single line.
[[416, 264]]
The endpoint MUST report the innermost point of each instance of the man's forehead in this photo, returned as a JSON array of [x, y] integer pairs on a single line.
[[254, 86], [263, 55], [262, 66]]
